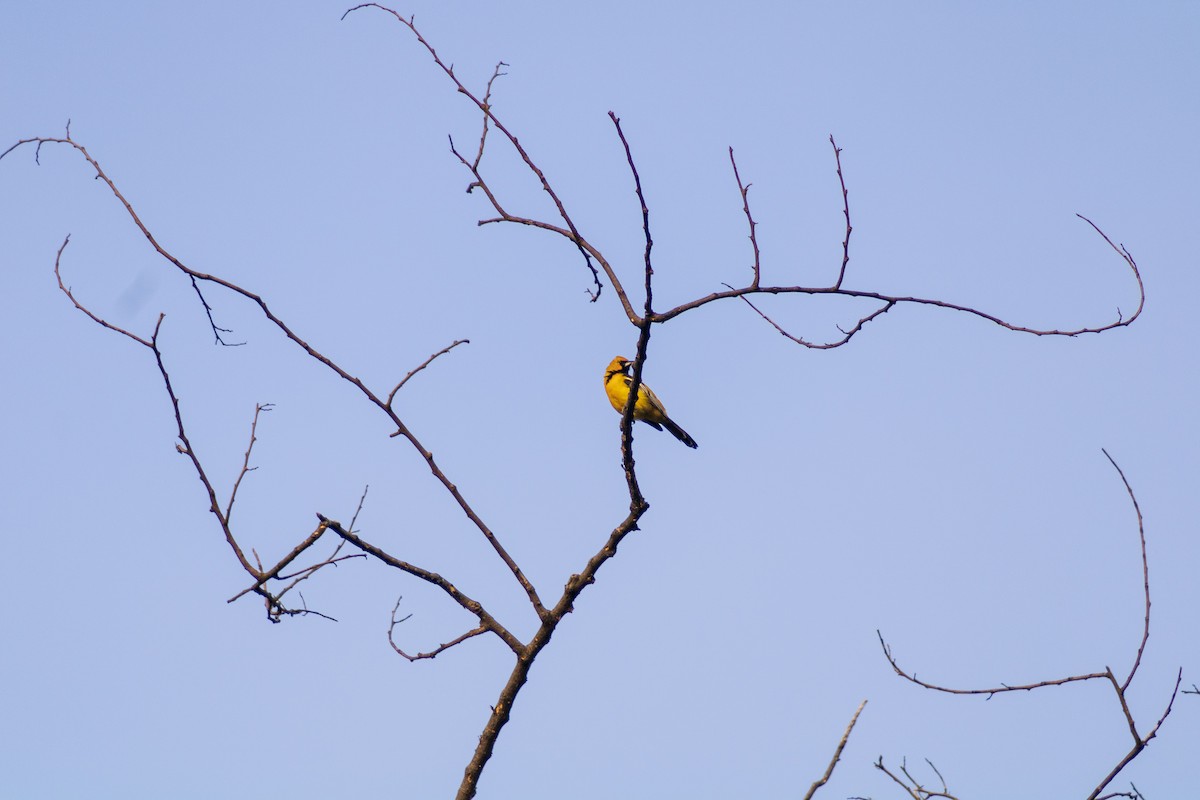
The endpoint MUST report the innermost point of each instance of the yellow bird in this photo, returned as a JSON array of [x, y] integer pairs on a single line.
[[648, 408]]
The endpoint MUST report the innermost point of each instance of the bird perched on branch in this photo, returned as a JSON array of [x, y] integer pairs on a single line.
[[648, 408]]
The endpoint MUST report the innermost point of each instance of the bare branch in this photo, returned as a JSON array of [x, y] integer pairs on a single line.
[[837, 755], [911, 786], [437, 650], [893, 300], [1133, 794], [274, 600], [487, 103], [637, 185], [637, 503], [1137, 661], [424, 364], [471, 605], [361, 500], [1139, 742], [847, 335], [185, 446], [486, 108], [888, 301], [304, 574], [744, 188], [308, 571], [262, 577], [102, 175], [1004, 687], [304, 609], [67, 291], [837, 155], [246, 468]]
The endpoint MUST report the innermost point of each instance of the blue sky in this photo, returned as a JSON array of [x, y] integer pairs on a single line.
[[939, 479]]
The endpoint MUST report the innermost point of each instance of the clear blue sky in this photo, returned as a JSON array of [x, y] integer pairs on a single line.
[[939, 479]]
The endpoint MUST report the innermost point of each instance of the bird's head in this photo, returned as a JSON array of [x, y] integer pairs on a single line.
[[620, 364]]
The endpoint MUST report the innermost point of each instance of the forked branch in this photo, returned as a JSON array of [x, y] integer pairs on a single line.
[[1120, 687]]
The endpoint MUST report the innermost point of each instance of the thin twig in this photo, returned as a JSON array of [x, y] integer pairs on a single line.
[[911, 786], [1004, 687], [246, 468], [487, 103], [437, 650], [846, 335], [837, 155], [1137, 661], [423, 365], [744, 189]]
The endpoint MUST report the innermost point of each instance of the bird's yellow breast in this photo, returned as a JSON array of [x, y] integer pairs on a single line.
[[616, 385]]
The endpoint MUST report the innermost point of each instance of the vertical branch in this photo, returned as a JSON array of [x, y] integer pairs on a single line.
[[744, 188], [1137, 661], [635, 495], [487, 107], [246, 468], [837, 155]]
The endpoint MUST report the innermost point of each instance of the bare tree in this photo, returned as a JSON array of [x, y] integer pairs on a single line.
[[274, 581]]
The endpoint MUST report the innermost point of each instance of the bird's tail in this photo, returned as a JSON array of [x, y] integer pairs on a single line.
[[679, 433]]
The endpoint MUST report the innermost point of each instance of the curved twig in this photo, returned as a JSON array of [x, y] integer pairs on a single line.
[[1004, 687], [1137, 661], [434, 653]]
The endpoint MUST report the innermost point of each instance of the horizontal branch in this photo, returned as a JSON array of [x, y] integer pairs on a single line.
[[1004, 687], [889, 301]]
